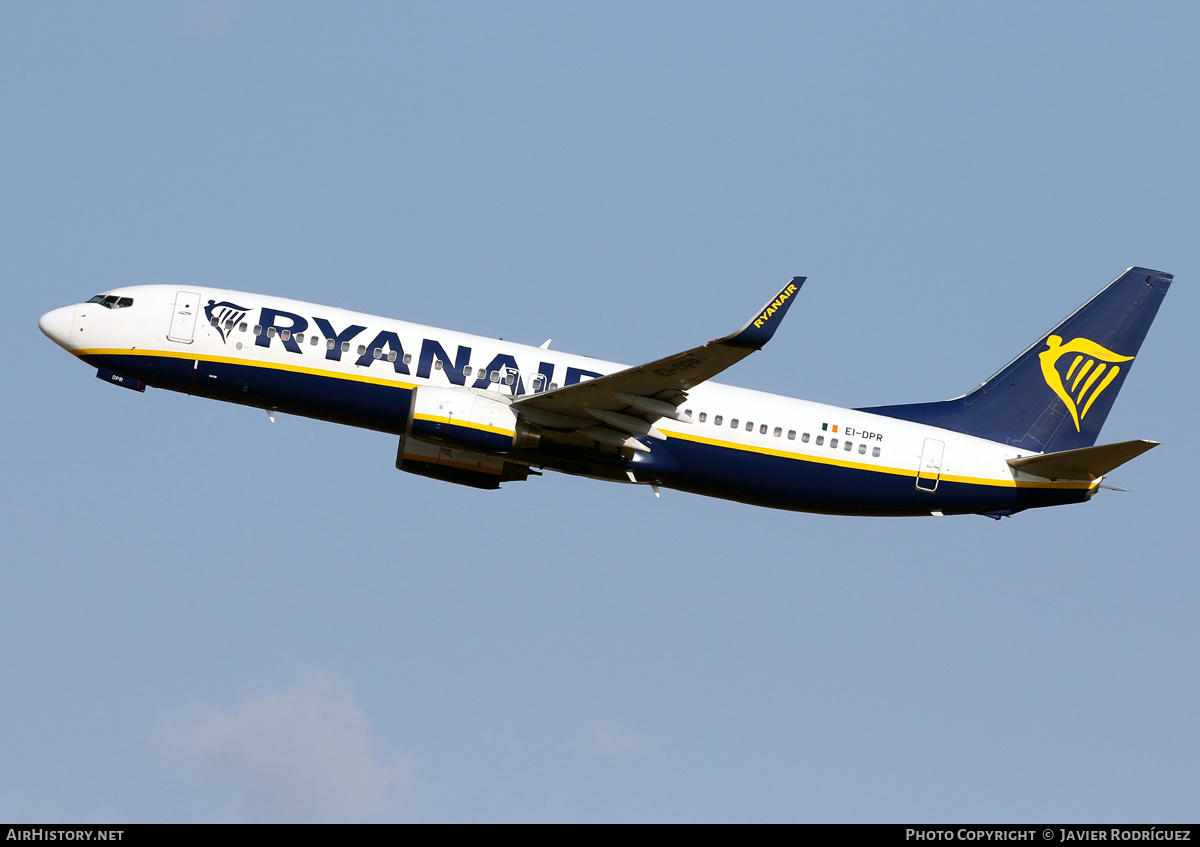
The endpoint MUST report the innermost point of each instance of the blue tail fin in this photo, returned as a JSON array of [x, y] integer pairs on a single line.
[[1057, 394]]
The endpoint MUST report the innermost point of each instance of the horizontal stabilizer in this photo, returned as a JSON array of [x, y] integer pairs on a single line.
[[1084, 463]]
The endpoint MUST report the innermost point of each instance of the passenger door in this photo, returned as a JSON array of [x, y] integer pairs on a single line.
[[183, 317]]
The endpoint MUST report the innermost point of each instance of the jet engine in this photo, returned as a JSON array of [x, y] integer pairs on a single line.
[[470, 420], [455, 435]]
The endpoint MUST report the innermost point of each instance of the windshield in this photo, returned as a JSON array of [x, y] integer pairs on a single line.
[[112, 301]]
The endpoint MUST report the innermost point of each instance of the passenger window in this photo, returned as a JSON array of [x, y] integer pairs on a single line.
[[313, 341], [407, 358], [228, 325], [804, 438], [377, 353], [538, 382], [391, 355], [346, 347], [258, 329], [717, 420], [862, 449], [329, 343], [734, 423], [510, 378], [687, 412], [495, 377], [214, 322], [832, 443], [875, 452], [779, 432], [762, 430], [270, 332], [362, 348], [749, 426], [284, 335], [437, 364], [703, 417], [242, 326], [553, 386], [792, 435], [299, 337], [849, 446], [820, 439], [467, 370]]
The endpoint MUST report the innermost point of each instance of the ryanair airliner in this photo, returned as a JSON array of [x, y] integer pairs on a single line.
[[482, 411]]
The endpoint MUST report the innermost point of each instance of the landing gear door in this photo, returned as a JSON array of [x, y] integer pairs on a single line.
[[183, 317], [930, 469]]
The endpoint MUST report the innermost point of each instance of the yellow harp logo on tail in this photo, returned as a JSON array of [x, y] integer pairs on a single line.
[[1091, 370]]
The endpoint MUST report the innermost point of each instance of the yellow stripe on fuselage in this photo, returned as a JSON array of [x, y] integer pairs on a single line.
[[730, 445], [842, 463], [252, 363]]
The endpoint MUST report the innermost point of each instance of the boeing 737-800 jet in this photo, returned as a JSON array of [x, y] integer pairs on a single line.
[[481, 411]]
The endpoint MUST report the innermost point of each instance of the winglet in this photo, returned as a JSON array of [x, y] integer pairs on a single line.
[[759, 329]]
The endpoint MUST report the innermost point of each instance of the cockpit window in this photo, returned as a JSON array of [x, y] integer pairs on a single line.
[[112, 301]]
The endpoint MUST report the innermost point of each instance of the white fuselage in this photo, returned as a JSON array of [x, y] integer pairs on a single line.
[[247, 343]]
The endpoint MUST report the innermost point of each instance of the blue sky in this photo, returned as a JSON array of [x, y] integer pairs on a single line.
[[210, 618]]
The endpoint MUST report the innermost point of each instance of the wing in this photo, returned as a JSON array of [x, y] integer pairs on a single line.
[[611, 409]]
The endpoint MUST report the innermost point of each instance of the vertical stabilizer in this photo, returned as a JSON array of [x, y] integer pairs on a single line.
[[1057, 394]]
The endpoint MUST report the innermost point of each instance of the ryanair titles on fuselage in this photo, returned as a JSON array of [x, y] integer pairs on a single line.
[[277, 324]]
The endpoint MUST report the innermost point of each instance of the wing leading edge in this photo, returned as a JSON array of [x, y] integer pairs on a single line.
[[612, 409]]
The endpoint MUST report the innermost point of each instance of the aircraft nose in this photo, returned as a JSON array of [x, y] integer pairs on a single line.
[[56, 325]]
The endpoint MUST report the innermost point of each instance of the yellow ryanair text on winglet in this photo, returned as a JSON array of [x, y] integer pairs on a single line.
[[1091, 371], [774, 305]]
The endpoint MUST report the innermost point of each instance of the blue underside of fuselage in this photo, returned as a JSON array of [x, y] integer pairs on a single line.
[[344, 401], [788, 483], [709, 469]]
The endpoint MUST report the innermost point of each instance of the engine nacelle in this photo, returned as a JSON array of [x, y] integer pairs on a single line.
[[455, 416], [451, 464]]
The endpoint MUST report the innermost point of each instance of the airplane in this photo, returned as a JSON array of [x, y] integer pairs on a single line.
[[481, 411]]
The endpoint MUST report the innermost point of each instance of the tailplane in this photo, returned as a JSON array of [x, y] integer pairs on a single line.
[[1084, 463], [1057, 394]]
